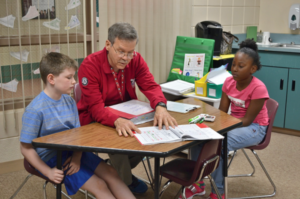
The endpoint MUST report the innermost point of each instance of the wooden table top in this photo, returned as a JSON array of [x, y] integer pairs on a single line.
[[99, 138]]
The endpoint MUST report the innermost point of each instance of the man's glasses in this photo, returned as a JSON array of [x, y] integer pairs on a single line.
[[122, 54]]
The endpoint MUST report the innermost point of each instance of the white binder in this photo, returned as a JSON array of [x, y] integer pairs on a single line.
[[180, 107]]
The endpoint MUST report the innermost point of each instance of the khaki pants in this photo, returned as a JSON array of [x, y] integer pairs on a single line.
[[123, 164]]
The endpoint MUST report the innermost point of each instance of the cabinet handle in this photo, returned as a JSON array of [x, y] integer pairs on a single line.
[[293, 85], [281, 84]]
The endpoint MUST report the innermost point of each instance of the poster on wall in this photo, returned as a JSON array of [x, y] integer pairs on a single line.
[[45, 9], [194, 65]]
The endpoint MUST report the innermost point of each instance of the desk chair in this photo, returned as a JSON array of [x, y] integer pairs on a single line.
[[186, 172], [272, 107], [32, 171]]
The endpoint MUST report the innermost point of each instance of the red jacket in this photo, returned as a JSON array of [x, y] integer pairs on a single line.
[[92, 77]]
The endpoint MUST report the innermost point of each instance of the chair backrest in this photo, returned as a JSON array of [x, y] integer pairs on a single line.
[[272, 106], [77, 92], [210, 150]]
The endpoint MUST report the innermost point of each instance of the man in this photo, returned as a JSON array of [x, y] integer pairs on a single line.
[[108, 77]]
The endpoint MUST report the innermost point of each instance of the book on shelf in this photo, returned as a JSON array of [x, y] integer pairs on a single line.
[[152, 135], [134, 110]]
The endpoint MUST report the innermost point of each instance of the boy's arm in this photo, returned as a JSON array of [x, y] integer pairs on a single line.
[[34, 159]]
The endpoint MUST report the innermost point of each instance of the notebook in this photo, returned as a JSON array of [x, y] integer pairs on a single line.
[[134, 110], [177, 87], [152, 135], [181, 107]]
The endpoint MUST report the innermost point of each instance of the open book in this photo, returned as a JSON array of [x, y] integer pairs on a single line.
[[151, 135], [134, 110]]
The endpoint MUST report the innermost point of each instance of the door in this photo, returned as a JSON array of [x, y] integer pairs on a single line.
[[275, 80], [292, 115]]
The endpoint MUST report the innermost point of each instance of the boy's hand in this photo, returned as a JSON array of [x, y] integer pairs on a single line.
[[74, 165], [56, 175]]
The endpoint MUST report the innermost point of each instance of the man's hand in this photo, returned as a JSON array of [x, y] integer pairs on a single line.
[[56, 175], [125, 127], [162, 117]]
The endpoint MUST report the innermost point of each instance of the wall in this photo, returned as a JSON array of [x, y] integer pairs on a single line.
[[275, 19], [233, 15]]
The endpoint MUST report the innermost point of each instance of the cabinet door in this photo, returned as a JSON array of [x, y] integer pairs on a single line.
[[275, 80], [292, 115]]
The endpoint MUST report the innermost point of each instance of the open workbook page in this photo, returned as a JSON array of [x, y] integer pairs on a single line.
[[152, 135]]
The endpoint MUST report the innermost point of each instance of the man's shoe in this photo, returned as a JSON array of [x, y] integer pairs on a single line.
[[194, 190], [137, 186], [214, 196]]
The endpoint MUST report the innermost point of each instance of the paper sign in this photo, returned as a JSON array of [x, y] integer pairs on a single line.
[[194, 65]]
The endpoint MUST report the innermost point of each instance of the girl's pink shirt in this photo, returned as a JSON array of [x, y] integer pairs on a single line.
[[240, 100]]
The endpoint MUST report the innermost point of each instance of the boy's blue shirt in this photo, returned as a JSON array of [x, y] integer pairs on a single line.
[[45, 116]]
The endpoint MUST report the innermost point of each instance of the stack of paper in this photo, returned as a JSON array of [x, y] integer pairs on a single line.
[[180, 107], [177, 87], [134, 110], [218, 75]]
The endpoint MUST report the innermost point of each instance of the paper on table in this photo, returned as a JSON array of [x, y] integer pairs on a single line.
[[133, 107], [218, 75], [180, 107]]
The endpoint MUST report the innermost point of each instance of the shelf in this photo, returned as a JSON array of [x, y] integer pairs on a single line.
[[45, 39]]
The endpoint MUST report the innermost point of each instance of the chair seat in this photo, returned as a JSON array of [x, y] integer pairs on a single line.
[[179, 170]]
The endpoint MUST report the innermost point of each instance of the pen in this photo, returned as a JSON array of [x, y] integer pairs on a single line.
[[201, 120]]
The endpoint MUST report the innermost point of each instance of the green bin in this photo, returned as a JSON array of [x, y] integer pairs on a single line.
[[214, 90]]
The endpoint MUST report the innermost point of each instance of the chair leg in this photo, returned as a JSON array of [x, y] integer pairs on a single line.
[[87, 194], [244, 175], [215, 186], [165, 186], [44, 188], [63, 193], [20, 187], [267, 174]]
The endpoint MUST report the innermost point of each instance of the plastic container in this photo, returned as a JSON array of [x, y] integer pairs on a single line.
[[259, 37], [214, 91], [201, 86]]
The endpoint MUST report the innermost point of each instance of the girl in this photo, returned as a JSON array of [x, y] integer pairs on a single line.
[[247, 96]]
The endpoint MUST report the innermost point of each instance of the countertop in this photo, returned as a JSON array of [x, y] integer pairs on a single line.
[[270, 48]]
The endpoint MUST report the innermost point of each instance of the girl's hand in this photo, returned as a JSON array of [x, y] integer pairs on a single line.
[[74, 165]]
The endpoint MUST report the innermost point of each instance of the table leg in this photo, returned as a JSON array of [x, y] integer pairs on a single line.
[[58, 166], [156, 177], [225, 160]]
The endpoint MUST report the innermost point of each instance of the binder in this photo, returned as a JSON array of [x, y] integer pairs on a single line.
[[181, 107], [177, 87], [134, 110]]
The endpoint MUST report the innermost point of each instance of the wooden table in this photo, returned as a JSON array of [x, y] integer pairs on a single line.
[[103, 139]]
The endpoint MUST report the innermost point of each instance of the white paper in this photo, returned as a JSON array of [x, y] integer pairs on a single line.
[[180, 107], [10, 86], [133, 107], [212, 92], [17, 55], [218, 75], [177, 87], [194, 65], [200, 90], [193, 132]]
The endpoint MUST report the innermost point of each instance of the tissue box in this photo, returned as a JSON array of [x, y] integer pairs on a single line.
[[200, 88], [214, 91]]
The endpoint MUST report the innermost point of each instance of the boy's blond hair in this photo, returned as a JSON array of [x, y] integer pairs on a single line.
[[54, 63]]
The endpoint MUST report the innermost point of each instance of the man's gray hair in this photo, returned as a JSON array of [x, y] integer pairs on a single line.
[[122, 31]]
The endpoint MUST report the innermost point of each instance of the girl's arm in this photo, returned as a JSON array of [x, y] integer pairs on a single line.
[[225, 102], [254, 108], [34, 159]]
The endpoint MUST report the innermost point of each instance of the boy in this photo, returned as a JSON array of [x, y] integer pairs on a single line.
[[52, 111]]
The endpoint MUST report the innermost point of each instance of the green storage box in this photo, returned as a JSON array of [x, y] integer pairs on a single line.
[[214, 91]]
